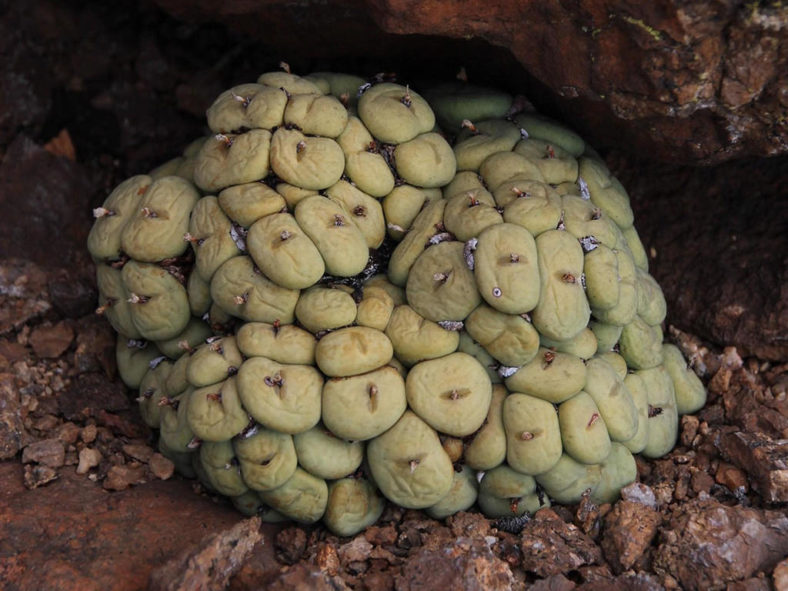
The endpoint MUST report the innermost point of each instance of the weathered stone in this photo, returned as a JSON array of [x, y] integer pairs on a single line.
[[694, 81], [122, 477], [290, 544], [327, 559], [49, 452], [22, 283], [468, 563], [356, 550], [780, 575], [48, 225], [752, 584], [12, 351], [689, 429], [640, 493], [629, 529], [88, 434], [731, 477], [12, 431], [305, 577], [550, 546], [113, 540], [161, 467], [39, 475], [764, 459], [211, 564], [469, 524], [553, 583], [624, 582], [89, 457], [50, 340], [732, 543], [68, 433]]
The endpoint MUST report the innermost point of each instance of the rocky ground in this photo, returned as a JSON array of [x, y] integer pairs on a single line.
[[94, 94]]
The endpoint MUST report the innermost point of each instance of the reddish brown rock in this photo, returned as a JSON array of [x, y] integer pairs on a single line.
[[551, 546], [694, 81], [466, 523], [752, 584], [47, 226], [290, 544], [765, 460], [553, 583], [624, 582], [731, 477], [588, 516], [89, 433], [36, 475], [629, 529], [211, 564], [122, 477], [381, 535], [780, 575], [701, 482], [731, 544], [113, 540], [49, 452], [68, 433], [327, 559], [467, 563], [12, 431], [22, 283], [304, 577], [161, 467], [355, 551], [50, 340]]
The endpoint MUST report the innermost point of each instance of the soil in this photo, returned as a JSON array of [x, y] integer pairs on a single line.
[[86, 502]]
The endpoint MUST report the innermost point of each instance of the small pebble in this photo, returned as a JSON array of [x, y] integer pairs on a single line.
[[49, 452], [88, 458], [731, 477], [638, 492], [36, 476], [68, 433], [45, 423], [161, 467], [89, 433], [122, 477]]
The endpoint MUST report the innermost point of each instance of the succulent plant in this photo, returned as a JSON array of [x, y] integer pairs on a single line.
[[328, 303]]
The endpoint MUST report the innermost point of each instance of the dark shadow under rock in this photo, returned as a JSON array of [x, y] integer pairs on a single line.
[[719, 247], [45, 202]]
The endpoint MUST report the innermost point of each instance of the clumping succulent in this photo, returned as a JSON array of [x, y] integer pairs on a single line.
[[326, 303]]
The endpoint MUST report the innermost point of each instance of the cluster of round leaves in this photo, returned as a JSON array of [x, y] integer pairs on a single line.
[[507, 353]]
